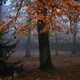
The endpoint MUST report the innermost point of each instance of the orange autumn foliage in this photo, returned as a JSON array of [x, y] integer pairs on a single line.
[[22, 29], [2, 26], [44, 18], [54, 8], [73, 5], [44, 30], [57, 8]]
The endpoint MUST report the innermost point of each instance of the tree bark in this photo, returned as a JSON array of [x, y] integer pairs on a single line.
[[28, 50], [45, 59], [74, 39], [56, 44], [74, 43]]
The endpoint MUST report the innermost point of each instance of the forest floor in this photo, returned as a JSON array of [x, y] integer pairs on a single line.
[[73, 73], [68, 69]]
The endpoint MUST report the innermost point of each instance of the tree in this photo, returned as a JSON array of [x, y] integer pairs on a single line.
[[7, 47], [45, 60], [42, 14], [7, 43]]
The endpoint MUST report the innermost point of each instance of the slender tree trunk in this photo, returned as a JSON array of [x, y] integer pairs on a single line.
[[74, 39], [28, 49], [74, 43], [45, 60], [56, 44]]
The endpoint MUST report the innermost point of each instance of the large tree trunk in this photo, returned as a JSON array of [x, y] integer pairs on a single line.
[[45, 60]]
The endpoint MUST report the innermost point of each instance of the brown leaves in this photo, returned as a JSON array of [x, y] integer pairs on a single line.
[[22, 29], [5, 23], [56, 29], [73, 4], [45, 30], [2, 27], [43, 18], [36, 12]]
